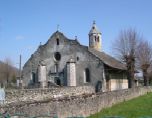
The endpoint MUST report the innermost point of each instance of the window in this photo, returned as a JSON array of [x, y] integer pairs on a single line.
[[95, 38], [57, 41], [87, 75], [57, 56], [33, 77], [98, 38], [77, 58], [56, 68]]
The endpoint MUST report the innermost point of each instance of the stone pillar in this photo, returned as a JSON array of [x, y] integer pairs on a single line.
[[71, 73], [42, 75]]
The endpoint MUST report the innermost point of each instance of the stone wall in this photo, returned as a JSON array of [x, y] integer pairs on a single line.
[[47, 93], [87, 105], [82, 105]]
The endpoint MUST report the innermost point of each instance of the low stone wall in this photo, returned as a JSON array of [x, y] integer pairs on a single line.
[[47, 93], [85, 106], [82, 105]]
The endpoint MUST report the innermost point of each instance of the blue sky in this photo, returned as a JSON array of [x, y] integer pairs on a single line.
[[26, 23]]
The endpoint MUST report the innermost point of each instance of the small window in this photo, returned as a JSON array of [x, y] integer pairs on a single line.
[[33, 77], [57, 41], [95, 38], [77, 58], [56, 68], [87, 75]]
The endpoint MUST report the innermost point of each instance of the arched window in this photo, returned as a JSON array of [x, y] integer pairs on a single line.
[[87, 75], [95, 38], [57, 41], [56, 68], [98, 38], [33, 77]]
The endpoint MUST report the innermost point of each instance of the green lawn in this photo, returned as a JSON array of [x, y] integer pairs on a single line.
[[140, 107]]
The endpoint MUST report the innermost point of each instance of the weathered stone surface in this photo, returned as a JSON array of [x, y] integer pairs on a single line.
[[47, 93], [67, 49], [82, 105]]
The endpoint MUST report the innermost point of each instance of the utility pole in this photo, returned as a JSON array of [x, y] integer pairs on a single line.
[[20, 73]]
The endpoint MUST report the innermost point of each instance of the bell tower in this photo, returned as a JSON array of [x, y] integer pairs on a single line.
[[95, 38]]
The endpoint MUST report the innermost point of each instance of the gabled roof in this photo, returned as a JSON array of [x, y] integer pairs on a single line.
[[105, 58], [108, 60], [58, 33]]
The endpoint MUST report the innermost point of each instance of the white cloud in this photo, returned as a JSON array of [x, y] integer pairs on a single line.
[[19, 37]]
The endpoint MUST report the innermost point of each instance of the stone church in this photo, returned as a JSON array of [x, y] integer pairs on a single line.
[[65, 62]]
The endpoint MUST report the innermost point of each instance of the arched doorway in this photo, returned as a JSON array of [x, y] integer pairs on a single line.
[[58, 82], [99, 86]]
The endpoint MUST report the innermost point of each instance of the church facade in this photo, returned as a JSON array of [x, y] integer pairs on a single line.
[[65, 62]]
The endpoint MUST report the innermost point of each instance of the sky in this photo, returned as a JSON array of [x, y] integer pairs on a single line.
[[26, 23]]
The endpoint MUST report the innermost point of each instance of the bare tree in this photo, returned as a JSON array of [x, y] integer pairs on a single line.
[[1, 74], [125, 46], [7, 72], [7, 69], [144, 59]]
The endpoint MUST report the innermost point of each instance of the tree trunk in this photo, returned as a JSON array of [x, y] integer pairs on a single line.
[[133, 72], [130, 71], [145, 76], [129, 79]]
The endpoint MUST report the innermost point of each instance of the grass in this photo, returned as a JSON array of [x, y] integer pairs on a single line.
[[140, 107]]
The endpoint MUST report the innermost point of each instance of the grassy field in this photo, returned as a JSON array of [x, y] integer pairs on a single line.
[[140, 107]]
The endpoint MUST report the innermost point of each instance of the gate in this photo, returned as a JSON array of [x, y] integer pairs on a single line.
[[2, 96]]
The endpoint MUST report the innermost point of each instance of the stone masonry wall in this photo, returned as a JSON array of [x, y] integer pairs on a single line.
[[47, 93], [82, 105], [87, 105]]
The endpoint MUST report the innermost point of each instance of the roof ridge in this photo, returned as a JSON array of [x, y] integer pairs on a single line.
[[107, 59]]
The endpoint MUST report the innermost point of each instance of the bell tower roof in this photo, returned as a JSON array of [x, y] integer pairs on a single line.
[[95, 38], [94, 29]]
